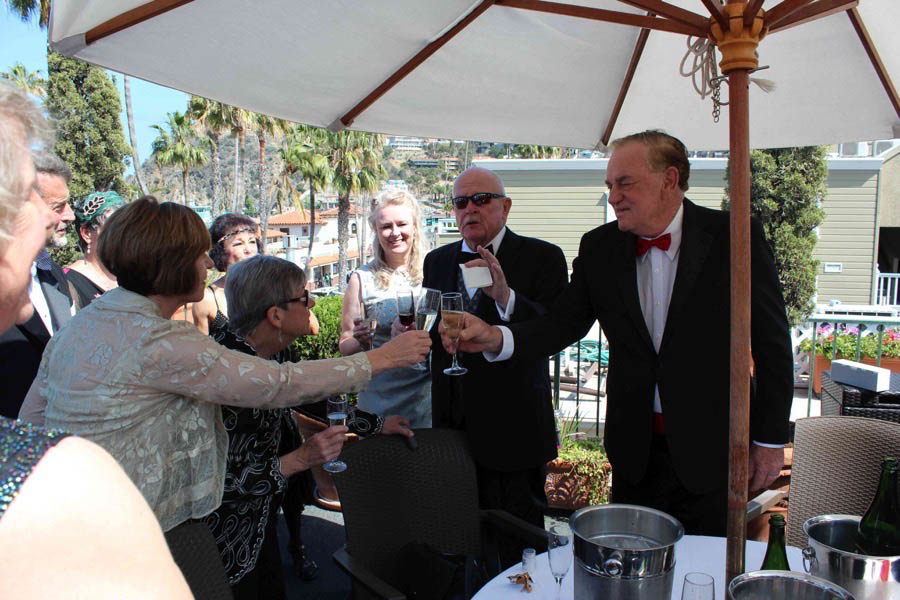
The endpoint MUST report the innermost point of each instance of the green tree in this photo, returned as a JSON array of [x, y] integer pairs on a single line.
[[265, 126], [30, 82], [786, 187], [356, 167], [85, 104], [26, 9], [177, 146], [309, 155], [211, 119]]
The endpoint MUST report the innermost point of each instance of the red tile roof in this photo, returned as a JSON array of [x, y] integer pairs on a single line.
[[294, 217], [331, 258], [333, 212]]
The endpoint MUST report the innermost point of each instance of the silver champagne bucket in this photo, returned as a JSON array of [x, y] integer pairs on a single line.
[[830, 555], [624, 551], [769, 585]]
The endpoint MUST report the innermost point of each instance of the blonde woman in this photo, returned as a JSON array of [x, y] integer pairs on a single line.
[[396, 222]]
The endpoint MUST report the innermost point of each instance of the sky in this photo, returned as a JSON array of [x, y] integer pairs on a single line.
[[27, 43]]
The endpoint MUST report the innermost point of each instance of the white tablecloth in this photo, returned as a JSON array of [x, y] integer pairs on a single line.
[[692, 553]]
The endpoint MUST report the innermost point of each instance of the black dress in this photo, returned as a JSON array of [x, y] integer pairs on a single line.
[[22, 445], [83, 290], [244, 525]]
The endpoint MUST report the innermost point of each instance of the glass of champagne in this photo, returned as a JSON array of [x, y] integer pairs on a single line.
[[454, 320], [372, 323], [427, 308], [698, 586], [559, 552], [337, 415]]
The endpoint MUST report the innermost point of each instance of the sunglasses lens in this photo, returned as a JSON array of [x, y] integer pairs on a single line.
[[461, 202]]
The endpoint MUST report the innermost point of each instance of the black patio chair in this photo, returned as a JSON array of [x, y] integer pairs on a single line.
[[196, 554], [393, 496]]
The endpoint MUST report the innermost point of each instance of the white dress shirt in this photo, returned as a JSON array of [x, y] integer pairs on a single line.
[[39, 301]]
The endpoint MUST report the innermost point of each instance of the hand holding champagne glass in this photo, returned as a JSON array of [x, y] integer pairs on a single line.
[[454, 320], [364, 328], [427, 307]]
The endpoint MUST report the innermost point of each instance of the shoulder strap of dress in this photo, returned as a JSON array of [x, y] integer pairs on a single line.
[[215, 299]]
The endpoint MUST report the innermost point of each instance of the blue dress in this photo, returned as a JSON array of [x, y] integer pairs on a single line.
[[406, 391]]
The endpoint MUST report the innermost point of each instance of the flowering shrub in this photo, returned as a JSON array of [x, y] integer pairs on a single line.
[[846, 342]]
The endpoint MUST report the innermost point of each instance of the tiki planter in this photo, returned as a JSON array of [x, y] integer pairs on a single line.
[[575, 484]]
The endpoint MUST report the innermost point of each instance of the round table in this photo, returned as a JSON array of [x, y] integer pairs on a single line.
[[692, 553]]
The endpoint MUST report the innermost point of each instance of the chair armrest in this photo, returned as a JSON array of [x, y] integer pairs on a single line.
[[511, 525], [763, 502], [360, 573]]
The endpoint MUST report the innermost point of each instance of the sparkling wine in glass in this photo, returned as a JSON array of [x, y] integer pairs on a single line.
[[427, 307], [337, 415], [372, 323], [559, 552], [454, 320]]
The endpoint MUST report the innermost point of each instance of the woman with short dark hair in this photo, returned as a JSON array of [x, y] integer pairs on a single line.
[[148, 388], [234, 238]]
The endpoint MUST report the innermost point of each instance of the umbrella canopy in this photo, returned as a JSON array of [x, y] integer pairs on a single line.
[[510, 74]]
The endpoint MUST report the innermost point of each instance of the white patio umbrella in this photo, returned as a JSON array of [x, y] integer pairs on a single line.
[[529, 71]]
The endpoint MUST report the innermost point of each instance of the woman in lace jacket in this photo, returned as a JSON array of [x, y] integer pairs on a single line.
[[149, 389], [270, 308]]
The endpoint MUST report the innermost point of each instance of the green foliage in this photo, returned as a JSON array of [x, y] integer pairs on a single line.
[[786, 187], [588, 458], [325, 344], [85, 104], [30, 82], [846, 343], [177, 146]]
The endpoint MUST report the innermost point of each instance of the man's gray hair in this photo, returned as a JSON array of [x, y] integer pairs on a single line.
[[50, 164], [256, 284], [18, 115]]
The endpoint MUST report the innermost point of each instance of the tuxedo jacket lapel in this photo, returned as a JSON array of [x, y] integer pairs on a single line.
[[58, 303], [696, 241], [626, 273]]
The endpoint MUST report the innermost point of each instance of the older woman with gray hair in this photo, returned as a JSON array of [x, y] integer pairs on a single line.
[[269, 308]]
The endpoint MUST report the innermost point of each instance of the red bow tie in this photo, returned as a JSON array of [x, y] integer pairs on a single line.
[[662, 242]]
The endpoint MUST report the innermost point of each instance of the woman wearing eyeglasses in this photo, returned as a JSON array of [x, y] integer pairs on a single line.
[[372, 295], [149, 389]]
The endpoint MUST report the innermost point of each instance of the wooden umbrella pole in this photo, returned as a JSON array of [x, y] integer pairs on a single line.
[[739, 193], [737, 42]]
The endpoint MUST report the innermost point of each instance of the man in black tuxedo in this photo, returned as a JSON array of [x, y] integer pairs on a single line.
[[21, 346], [658, 281], [504, 408]]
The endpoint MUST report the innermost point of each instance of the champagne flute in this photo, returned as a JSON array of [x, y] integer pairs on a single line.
[[337, 415], [559, 546], [371, 323], [427, 308], [454, 320], [698, 586]]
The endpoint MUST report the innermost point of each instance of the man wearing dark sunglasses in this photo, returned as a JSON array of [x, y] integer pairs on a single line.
[[505, 409]]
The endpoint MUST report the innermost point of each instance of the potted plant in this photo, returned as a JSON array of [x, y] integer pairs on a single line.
[[581, 474], [846, 348]]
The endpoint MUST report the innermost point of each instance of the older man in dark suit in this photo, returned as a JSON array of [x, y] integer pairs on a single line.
[[22, 346], [657, 279], [504, 408]]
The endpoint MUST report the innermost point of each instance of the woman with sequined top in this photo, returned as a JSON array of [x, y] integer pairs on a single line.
[[102, 541], [149, 389], [234, 238], [270, 308], [88, 278]]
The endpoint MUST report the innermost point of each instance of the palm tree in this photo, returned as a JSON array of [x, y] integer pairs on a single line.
[[132, 137], [29, 82], [238, 121], [25, 9], [211, 119], [265, 126], [178, 146], [307, 154], [355, 166]]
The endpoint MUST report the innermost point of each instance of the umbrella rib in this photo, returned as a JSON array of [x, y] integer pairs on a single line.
[[883, 75], [784, 10], [608, 16], [412, 63], [131, 18], [715, 9], [669, 11], [750, 12], [623, 91], [816, 10]]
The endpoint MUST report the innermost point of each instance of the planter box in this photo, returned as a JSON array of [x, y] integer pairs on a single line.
[[567, 490], [823, 364]]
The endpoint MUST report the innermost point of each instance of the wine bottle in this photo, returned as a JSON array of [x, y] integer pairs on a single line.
[[776, 554], [879, 529]]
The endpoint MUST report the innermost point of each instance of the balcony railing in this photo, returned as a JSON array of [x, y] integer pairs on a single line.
[[888, 289]]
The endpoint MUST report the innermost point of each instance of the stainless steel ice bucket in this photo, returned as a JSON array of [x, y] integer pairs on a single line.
[[830, 555], [623, 551], [770, 585]]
